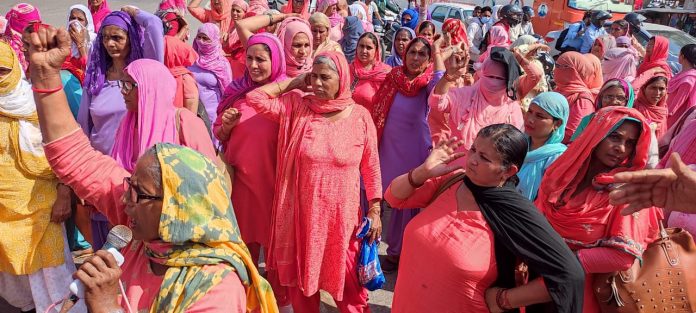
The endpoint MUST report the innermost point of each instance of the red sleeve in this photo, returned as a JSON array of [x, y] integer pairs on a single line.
[[369, 165], [604, 260], [94, 177], [199, 13], [420, 198], [272, 108], [581, 108]]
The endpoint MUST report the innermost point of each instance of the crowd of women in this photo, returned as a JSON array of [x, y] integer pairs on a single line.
[[274, 135]]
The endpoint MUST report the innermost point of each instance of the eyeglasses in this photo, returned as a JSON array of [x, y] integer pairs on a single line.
[[135, 196], [127, 86], [613, 98]]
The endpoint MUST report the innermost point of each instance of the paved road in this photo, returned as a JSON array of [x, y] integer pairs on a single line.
[[54, 12]]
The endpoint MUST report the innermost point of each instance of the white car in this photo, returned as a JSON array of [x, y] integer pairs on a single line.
[[677, 39], [439, 12]]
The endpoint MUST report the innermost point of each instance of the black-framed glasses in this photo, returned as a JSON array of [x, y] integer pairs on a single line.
[[133, 195], [127, 86]]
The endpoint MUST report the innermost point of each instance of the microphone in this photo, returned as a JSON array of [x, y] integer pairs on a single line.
[[119, 236]]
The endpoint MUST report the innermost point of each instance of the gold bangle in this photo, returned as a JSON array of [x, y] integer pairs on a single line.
[[280, 91]]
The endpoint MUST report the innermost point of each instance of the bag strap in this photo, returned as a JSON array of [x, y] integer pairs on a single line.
[[446, 185]]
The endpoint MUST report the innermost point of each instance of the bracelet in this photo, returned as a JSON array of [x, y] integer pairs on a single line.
[[270, 18], [502, 301], [280, 91], [46, 91], [411, 181]]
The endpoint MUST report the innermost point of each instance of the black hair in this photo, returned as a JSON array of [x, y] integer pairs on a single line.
[[486, 9], [425, 24], [510, 143], [264, 46], [425, 42], [403, 29], [689, 52], [372, 37]]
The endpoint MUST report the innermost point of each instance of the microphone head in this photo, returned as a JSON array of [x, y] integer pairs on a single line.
[[119, 236]]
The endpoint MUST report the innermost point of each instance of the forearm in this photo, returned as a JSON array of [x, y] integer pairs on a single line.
[[250, 25], [274, 90], [532, 293], [191, 105], [55, 118], [194, 3], [401, 188], [442, 87]]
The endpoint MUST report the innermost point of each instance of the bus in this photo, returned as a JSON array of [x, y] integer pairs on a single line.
[[558, 14]]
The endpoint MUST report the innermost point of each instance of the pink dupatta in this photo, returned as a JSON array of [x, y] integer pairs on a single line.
[[287, 31], [99, 14], [155, 120]]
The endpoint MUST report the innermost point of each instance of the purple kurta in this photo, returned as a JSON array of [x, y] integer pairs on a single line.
[[405, 144], [101, 114], [209, 92]]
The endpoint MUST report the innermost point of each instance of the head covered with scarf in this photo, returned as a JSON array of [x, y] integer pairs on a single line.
[[323, 6], [289, 8], [320, 19], [456, 29], [91, 34], [397, 81], [571, 217], [352, 30], [576, 74], [178, 56], [210, 56], [620, 63], [538, 160], [9, 61], [98, 14], [198, 228], [100, 60], [288, 29], [395, 59], [616, 82], [377, 72], [654, 112], [18, 18], [241, 86], [498, 37], [603, 44], [343, 98], [658, 57], [154, 122], [414, 19]]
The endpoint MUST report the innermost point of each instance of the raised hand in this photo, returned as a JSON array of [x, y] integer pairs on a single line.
[[48, 48], [438, 162], [456, 63], [671, 188]]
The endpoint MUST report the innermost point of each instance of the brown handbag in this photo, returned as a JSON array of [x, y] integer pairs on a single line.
[[665, 282]]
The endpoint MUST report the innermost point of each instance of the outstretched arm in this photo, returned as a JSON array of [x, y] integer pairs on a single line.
[[250, 25]]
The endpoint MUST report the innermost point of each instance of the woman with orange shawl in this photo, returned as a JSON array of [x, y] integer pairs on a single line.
[[326, 145], [578, 77], [178, 56], [574, 195], [367, 71], [224, 13]]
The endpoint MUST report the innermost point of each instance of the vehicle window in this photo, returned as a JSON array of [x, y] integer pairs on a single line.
[[607, 5], [439, 14], [454, 13], [468, 13]]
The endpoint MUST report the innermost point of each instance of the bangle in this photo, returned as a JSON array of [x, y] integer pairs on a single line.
[[46, 91], [411, 181], [270, 19], [280, 91], [502, 301]]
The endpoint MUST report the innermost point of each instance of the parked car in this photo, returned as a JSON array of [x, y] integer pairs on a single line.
[[677, 39], [440, 11]]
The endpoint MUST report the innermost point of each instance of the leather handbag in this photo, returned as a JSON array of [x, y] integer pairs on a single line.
[[665, 282]]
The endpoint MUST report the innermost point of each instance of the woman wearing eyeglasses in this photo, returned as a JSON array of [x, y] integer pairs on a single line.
[[152, 117], [124, 36]]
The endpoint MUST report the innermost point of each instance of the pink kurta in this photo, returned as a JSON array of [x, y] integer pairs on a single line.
[[99, 180], [332, 157], [251, 150], [448, 257]]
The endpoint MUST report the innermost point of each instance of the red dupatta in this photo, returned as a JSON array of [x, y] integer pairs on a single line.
[[398, 81], [654, 113], [658, 58], [178, 56], [574, 219]]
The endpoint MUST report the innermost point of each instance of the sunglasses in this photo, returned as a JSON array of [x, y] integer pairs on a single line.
[[133, 195]]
